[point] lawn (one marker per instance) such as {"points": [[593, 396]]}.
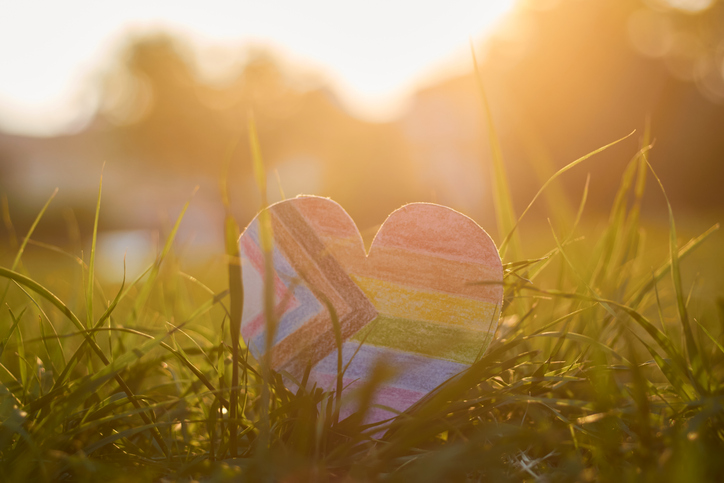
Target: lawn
{"points": [[607, 365]]}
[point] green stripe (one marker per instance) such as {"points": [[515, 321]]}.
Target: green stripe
{"points": [[439, 341]]}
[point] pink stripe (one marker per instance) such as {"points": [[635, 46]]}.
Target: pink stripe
{"points": [[394, 397], [257, 260], [254, 326], [254, 255]]}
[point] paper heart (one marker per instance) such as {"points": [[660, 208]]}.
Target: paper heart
{"points": [[409, 301]]}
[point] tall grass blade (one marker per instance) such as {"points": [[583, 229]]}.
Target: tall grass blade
{"points": [[504, 211], [92, 262], [279, 184], [8, 222], [21, 351], [23, 244], [42, 315], [13, 327], [236, 303], [50, 297], [512, 231], [691, 346], [105, 316], [581, 207], [153, 275], [266, 236], [711, 337], [639, 294]]}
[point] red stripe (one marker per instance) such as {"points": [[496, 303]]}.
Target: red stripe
{"points": [[438, 231]]}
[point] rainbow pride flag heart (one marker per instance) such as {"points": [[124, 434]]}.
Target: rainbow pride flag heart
{"points": [[410, 302]]}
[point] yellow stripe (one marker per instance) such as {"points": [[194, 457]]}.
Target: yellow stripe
{"points": [[398, 301], [425, 338]]}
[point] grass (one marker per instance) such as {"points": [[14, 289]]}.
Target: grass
{"points": [[600, 370]]}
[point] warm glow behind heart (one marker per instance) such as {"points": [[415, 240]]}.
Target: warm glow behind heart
{"points": [[373, 52]]}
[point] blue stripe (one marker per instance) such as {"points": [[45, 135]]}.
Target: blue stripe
{"points": [[308, 307], [412, 371]]}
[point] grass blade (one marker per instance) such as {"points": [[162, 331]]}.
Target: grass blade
{"points": [[19, 254], [236, 303], [691, 346], [16, 321], [511, 232], [504, 211], [148, 284], [92, 262], [50, 297], [266, 237]]}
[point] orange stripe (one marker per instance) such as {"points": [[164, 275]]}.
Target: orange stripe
{"points": [[427, 272]]}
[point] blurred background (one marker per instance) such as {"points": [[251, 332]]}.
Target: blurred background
{"points": [[373, 104]]}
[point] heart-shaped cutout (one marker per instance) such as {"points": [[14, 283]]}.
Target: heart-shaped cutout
{"points": [[411, 301]]}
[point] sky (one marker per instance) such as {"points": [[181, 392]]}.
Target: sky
{"points": [[373, 52]]}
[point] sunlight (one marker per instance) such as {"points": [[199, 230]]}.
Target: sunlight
{"points": [[373, 52]]}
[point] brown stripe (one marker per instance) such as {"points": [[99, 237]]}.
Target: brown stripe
{"points": [[300, 341], [325, 277], [332, 270], [325, 344], [307, 268]]}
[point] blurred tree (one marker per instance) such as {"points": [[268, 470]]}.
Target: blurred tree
{"points": [[688, 35], [167, 117], [564, 77]]}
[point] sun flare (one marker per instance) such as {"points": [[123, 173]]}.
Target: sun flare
{"points": [[372, 52]]}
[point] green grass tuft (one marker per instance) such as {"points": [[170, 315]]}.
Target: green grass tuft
{"points": [[604, 372]]}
